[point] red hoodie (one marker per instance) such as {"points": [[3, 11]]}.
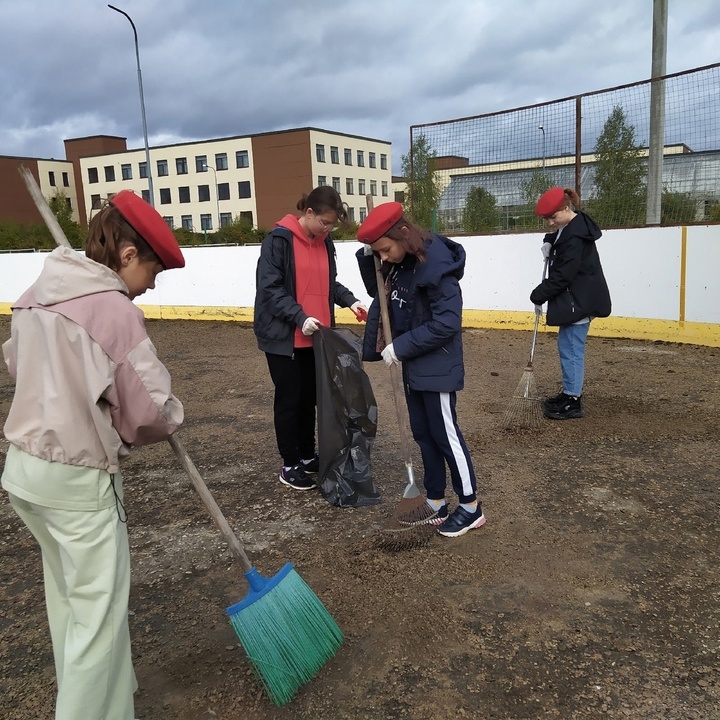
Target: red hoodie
{"points": [[312, 276]]}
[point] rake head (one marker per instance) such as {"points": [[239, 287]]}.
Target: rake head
{"points": [[525, 408]]}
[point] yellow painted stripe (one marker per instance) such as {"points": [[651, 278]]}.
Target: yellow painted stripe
{"points": [[683, 272], [618, 327]]}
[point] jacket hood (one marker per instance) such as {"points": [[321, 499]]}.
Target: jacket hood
{"points": [[585, 227], [442, 257], [293, 225], [67, 274]]}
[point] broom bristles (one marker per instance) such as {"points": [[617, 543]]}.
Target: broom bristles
{"points": [[525, 409], [285, 630]]}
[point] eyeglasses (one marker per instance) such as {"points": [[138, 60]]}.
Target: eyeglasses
{"points": [[324, 224]]}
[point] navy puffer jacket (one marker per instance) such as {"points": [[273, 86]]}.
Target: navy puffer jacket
{"points": [[427, 335]]}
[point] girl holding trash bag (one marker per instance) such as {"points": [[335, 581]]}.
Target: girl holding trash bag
{"points": [[88, 385], [296, 291], [422, 273], [574, 289]]}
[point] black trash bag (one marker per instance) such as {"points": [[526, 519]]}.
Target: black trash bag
{"points": [[347, 419]]}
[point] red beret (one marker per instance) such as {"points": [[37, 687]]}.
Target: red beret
{"points": [[379, 221], [149, 225], [550, 202]]}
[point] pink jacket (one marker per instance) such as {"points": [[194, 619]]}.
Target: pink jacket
{"points": [[88, 383]]}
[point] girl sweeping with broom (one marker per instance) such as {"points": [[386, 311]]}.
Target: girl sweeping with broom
{"points": [[422, 272], [88, 385]]}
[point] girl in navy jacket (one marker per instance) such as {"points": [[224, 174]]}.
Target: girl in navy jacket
{"points": [[422, 274]]}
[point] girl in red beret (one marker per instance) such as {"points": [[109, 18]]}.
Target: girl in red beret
{"points": [[88, 387], [574, 289], [296, 292], [422, 272]]}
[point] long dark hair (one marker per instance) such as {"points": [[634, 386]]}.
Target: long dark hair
{"points": [[322, 199], [108, 234]]}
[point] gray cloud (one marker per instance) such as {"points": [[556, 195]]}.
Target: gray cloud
{"points": [[222, 68]]}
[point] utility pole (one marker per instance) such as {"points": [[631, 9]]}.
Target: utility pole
{"points": [[657, 112]]}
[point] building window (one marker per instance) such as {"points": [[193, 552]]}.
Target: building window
{"points": [[399, 196], [203, 193], [94, 202], [66, 180], [384, 188], [371, 159], [184, 195], [68, 202], [244, 189], [361, 187], [225, 219], [169, 221], [383, 161], [373, 187], [125, 172], [334, 155], [146, 196], [206, 222], [51, 177], [320, 153], [109, 173], [165, 196], [349, 186], [162, 166], [242, 159], [360, 158], [186, 221], [247, 215], [348, 156], [92, 175], [363, 214], [221, 161], [351, 214], [201, 163], [223, 191], [142, 169], [322, 180], [336, 184], [181, 166]]}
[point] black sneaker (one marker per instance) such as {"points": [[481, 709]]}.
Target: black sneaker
{"points": [[461, 521], [296, 478], [569, 408], [552, 402], [313, 466]]}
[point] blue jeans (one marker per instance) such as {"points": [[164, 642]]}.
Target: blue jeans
{"points": [[571, 348]]}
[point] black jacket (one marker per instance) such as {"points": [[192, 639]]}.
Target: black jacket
{"points": [[429, 344], [575, 287], [277, 312]]}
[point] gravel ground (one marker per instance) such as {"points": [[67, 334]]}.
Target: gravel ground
{"points": [[592, 592]]}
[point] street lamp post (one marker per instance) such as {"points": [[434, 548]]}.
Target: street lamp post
{"points": [[142, 106], [217, 196], [542, 129]]}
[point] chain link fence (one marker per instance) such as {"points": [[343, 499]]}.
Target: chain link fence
{"points": [[485, 173]]}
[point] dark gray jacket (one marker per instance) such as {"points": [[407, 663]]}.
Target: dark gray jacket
{"points": [[277, 313]]}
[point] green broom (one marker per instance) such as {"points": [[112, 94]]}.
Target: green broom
{"points": [[286, 632]]}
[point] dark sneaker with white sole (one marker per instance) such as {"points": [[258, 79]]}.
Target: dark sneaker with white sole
{"points": [[568, 409], [311, 467], [296, 478], [553, 402], [461, 521]]}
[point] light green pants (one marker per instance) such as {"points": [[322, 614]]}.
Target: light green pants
{"points": [[86, 566]]}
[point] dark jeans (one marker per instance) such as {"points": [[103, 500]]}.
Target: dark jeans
{"points": [[294, 404]]}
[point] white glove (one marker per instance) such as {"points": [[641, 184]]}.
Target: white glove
{"points": [[545, 250], [360, 311], [389, 356], [538, 309], [310, 326]]}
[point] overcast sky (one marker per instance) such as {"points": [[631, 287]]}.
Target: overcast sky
{"points": [[217, 68]]}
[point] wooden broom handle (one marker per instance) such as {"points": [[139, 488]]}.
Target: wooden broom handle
{"points": [[205, 495]]}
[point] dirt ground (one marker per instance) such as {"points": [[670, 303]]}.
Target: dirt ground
{"points": [[592, 592]]}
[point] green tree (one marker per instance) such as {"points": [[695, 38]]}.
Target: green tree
{"points": [[532, 188], [620, 192], [61, 209], [678, 208], [424, 188], [481, 212]]}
